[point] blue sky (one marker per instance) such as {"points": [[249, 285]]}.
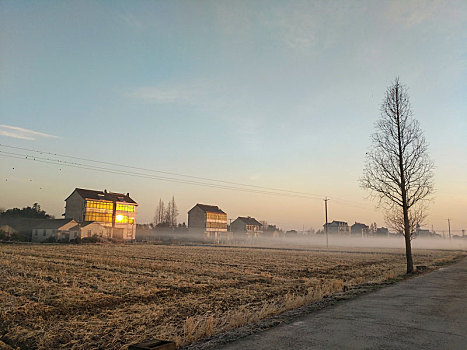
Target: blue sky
{"points": [[281, 94]]}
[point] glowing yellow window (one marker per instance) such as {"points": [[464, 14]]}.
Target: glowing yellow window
{"points": [[121, 219]]}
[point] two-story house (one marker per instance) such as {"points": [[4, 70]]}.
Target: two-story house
{"points": [[115, 211], [207, 219]]}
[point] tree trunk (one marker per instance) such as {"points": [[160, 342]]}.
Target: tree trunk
{"points": [[408, 243], [405, 209]]}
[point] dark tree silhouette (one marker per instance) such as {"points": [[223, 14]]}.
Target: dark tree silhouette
{"points": [[398, 170], [34, 212]]}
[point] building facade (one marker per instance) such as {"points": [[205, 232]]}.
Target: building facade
{"points": [[382, 231], [89, 229], [57, 229], [337, 227], [114, 211], [359, 229], [207, 218], [247, 225]]}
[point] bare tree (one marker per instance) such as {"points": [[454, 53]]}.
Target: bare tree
{"points": [[398, 170], [168, 214], [417, 215], [172, 213], [159, 215]]}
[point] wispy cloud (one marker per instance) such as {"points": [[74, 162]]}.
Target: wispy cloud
{"points": [[131, 21], [164, 95], [254, 177], [184, 93], [22, 133], [413, 13]]}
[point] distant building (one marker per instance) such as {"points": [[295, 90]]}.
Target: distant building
{"points": [[359, 229], [58, 229], [337, 227], [207, 218], [419, 232], [22, 226], [8, 229], [272, 231], [114, 211], [90, 229], [382, 231], [248, 225], [291, 233]]}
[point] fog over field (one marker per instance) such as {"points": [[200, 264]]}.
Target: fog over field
{"points": [[313, 241]]}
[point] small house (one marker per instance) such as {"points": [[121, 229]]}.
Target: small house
{"points": [[246, 225]]}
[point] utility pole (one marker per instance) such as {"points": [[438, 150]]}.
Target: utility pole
{"points": [[449, 228], [326, 214]]}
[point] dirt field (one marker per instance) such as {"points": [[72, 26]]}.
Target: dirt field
{"points": [[109, 296]]}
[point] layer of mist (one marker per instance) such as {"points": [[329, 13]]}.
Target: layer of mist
{"points": [[315, 241]]}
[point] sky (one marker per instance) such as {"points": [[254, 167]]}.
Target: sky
{"points": [[280, 94]]}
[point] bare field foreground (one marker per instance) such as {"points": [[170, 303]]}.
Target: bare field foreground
{"points": [[110, 296]]}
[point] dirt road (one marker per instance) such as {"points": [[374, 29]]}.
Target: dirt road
{"points": [[426, 312]]}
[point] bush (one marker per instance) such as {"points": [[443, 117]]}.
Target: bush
{"points": [[93, 239], [50, 239]]}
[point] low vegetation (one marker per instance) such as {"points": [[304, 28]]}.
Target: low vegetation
{"points": [[108, 296]]}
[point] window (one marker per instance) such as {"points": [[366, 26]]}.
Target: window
{"points": [[96, 216], [216, 216], [125, 207], [99, 205], [121, 219], [218, 225]]}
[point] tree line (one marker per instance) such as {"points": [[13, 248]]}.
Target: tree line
{"points": [[166, 214], [34, 212]]}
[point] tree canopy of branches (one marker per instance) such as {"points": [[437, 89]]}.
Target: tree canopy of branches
{"points": [[159, 215], [398, 170], [34, 212], [166, 215]]}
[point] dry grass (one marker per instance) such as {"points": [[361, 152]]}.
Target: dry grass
{"points": [[109, 296]]}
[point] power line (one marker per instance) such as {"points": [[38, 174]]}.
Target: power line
{"points": [[165, 172], [318, 196], [244, 187], [141, 175]]}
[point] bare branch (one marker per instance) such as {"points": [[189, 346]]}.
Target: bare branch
{"points": [[398, 171]]}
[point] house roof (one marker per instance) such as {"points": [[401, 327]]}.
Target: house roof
{"points": [[358, 224], [7, 228], [104, 195], [86, 223], [23, 224], [335, 222], [53, 224], [249, 220], [209, 208]]}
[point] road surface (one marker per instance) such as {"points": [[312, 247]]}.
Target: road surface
{"points": [[425, 312]]}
